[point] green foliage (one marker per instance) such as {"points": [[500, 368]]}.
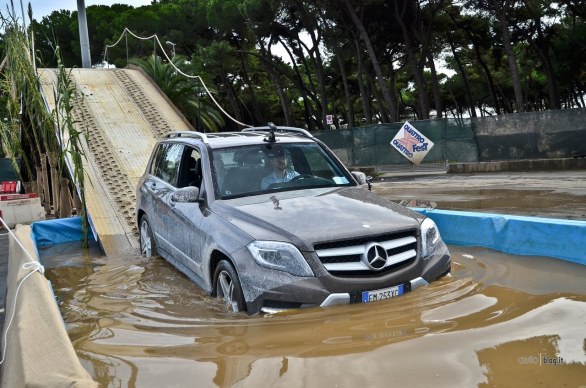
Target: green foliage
{"points": [[187, 94], [234, 45], [70, 138], [30, 131]]}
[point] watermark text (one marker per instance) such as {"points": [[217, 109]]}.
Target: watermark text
{"points": [[541, 359]]}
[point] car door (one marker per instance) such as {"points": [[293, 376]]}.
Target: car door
{"points": [[186, 235], [160, 185]]}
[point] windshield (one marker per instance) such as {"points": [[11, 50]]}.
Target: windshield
{"points": [[264, 168]]}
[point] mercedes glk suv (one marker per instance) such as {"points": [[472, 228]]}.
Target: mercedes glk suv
{"points": [[270, 219]]}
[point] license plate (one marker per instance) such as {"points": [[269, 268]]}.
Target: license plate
{"points": [[384, 293]]}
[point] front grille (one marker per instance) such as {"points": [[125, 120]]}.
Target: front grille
{"points": [[364, 240], [346, 258]]}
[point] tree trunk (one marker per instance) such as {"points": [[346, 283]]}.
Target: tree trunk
{"points": [[501, 9], [349, 104], [470, 102], [281, 93], [489, 79], [314, 94], [487, 73], [364, 95], [300, 86], [321, 83], [552, 86], [382, 115], [416, 66], [258, 117], [371, 53], [232, 99], [437, 99]]}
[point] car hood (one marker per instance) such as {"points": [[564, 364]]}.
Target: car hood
{"points": [[306, 217]]}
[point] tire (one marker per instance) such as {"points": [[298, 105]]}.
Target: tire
{"points": [[227, 286], [148, 246]]}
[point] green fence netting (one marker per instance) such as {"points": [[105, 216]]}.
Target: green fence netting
{"points": [[453, 139], [534, 135], [548, 134]]}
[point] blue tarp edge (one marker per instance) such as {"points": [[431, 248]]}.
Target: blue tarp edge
{"points": [[518, 235], [50, 232]]}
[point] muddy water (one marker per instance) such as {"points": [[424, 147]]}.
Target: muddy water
{"points": [[498, 320]]}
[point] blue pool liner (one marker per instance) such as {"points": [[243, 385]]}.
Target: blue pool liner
{"points": [[518, 235]]}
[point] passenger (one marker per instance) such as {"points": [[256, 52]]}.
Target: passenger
{"points": [[278, 162]]}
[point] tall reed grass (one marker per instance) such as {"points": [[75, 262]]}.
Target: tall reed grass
{"points": [[32, 130]]}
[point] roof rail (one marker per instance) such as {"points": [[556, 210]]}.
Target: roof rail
{"points": [[191, 134], [280, 129]]}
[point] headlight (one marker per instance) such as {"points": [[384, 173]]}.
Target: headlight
{"points": [[280, 256], [430, 236]]}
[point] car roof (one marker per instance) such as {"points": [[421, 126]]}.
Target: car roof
{"points": [[249, 136]]}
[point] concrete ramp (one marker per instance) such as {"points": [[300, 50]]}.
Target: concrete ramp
{"points": [[124, 114]]}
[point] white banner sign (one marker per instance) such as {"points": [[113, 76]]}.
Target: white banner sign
{"points": [[411, 143]]}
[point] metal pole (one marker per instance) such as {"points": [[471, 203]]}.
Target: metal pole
{"points": [[172, 48], [155, 59], [126, 38], [86, 61], [173, 54]]}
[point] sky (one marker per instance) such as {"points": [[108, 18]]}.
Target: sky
{"points": [[45, 7]]}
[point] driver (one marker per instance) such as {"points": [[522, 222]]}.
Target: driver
{"points": [[278, 162]]}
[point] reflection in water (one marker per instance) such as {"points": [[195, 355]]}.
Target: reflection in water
{"points": [[495, 321]]}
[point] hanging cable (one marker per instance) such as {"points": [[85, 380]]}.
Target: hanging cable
{"points": [[33, 266], [197, 77]]}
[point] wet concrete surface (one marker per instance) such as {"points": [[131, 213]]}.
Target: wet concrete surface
{"points": [[556, 194], [498, 320]]}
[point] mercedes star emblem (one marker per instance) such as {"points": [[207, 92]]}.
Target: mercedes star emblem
{"points": [[375, 256]]}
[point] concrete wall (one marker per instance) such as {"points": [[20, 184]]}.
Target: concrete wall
{"points": [[519, 165], [38, 350]]}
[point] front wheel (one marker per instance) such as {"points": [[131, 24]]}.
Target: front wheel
{"points": [[148, 246], [227, 286]]}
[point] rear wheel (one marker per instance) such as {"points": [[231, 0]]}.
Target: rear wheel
{"points": [[227, 286], [148, 247]]}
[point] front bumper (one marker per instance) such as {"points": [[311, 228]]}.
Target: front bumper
{"points": [[345, 297], [271, 291]]}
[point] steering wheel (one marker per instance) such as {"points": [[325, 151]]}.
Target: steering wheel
{"points": [[302, 176]]}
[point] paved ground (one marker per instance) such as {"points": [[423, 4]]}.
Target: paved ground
{"points": [[3, 273], [3, 270], [555, 194]]}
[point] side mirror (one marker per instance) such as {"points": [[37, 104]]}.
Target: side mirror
{"points": [[188, 194], [359, 176], [362, 178]]}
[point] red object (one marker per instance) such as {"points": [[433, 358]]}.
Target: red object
{"points": [[9, 187], [10, 197]]}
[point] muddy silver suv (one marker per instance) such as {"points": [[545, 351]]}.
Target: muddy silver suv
{"points": [[270, 219]]}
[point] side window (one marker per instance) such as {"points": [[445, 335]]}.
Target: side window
{"points": [[167, 162], [155, 162], [190, 170]]}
